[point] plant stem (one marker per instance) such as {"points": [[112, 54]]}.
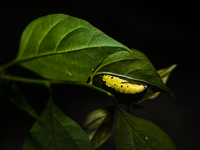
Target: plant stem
{"points": [[25, 80], [9, 64], [48, 82]]}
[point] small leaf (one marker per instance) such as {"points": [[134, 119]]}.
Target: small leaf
{"points": [[164, 74], [99, 125], [63, 47], [135, 133], [59, 132]]}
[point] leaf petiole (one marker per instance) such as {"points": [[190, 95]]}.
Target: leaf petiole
{"points": [[7, 65]]}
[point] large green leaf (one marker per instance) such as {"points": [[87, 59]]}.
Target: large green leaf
{"points": [[63, 47], [132, 133], [135, 67], [58, 132], [99, 125]]}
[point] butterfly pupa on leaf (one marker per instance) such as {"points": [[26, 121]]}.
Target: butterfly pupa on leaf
{"points": [[123, 86]]}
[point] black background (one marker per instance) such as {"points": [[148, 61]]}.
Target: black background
{"points": [[166, 31]]}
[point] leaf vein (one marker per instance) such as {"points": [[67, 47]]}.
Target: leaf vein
{"points": [[135, 130], [66, 131], [91, 38], [68, 33], [39, 44]]}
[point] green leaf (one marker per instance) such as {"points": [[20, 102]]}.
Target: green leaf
{"points": [[63, 47], [99, 125], [11, 95], [135, 67], [164, 74], [136, 133], [59, 132]]}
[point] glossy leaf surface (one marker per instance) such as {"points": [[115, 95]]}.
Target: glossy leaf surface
{"points": [[63, 47], [58, 132], [132, 133], [99, 125]]}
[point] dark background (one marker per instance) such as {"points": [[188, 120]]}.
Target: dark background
{"points": [[166, 31]]}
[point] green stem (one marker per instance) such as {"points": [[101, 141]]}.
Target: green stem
{"points": [[26, 80], [91, 79], [48, 82], [9, 64], [116, 103]]}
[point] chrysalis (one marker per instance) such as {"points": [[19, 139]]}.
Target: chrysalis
{"points": [[123, 86]]}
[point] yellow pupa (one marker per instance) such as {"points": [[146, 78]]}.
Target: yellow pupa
{"points": [[123, 86]]}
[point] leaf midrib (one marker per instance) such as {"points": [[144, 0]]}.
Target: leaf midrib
{"points": [[18, 60], [52, 116], [134, 129]]}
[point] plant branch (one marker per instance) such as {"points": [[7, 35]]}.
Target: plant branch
{"points": [[7, 65], [48, 82]]}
